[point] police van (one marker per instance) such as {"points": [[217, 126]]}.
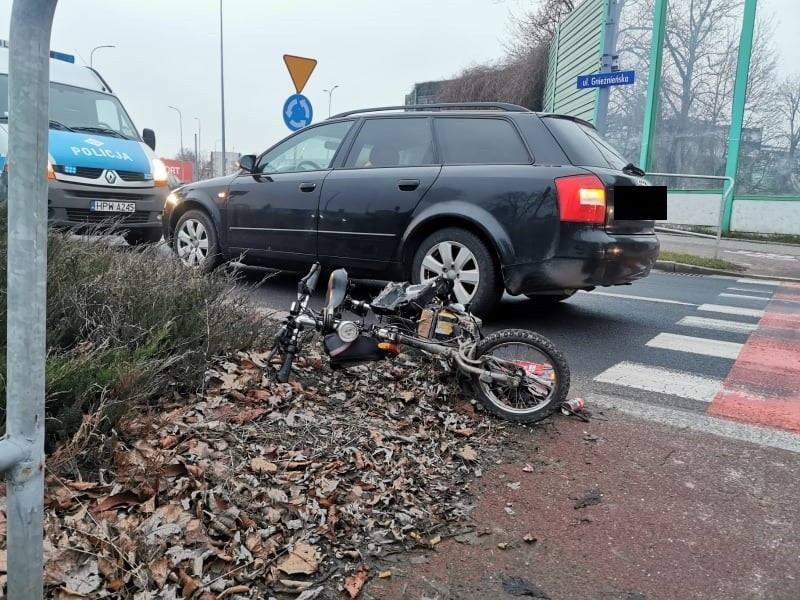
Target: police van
{"points": [[101, 171]]}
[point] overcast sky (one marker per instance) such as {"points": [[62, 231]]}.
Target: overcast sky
{"points": [[167, 53]]}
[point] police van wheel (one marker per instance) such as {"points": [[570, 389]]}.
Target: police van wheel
{"points": [[136, 237]]}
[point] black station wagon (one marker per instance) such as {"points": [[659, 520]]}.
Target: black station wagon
{"points": [[497, 196]]}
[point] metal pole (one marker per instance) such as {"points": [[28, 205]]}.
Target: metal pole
{"points": [[196, 161], [199, 146], [727, 186], [739, 99], [28, 99], [653, 84], [222, 87], [180, 126], [91, 54], [612, 10], [330, 94]]}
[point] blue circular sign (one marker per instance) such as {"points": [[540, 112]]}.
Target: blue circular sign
{"points": [[297, 112]]}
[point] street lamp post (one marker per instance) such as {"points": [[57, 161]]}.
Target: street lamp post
{"points": [[180, 126], [222, 86], [330, 94], [197, 147], [91, 54]]}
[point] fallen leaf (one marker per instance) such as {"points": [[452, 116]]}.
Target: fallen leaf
{"points": [[63, 594], [83, 578], [354, 583], [385, 574], [236, 589], [249, 415], [117, 500], [259, 465], [159, 569], [301, 559], [189, 586], [468, 453]]}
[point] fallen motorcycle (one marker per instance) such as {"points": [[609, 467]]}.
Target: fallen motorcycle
{"points": [[516, 374]]}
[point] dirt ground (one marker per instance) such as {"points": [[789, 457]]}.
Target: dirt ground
{"points": [[617, 509]]}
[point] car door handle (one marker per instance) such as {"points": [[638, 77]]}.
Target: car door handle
{"points": [[308, 186], [408, 185]]}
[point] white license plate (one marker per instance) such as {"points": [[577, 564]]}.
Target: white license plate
{"points": [[107, 206]]}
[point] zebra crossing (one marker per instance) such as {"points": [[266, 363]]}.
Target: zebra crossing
{"points": [[718, 330]]}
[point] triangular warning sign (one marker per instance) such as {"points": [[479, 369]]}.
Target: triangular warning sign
{"points": [[300, 69]]}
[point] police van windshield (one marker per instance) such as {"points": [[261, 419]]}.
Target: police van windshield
{"points": [[79, 109]]}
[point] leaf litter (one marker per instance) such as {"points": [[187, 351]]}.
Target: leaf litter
{"points": [[255, 489]]}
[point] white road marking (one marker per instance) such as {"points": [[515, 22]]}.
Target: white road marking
{"points": [[732, 310], [758, 281], [681, 419], [646, 298], [743, 296], [695, 345], [663, 381], [717, 324], [751, 290]]}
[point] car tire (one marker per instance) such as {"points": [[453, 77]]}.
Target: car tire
{"points": [[550, 299], [477, 281], [195, 241], [137, 237]]}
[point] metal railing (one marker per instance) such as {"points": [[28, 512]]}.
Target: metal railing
{"points": [[727, 191]]}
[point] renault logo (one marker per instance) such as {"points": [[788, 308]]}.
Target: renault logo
{"points": [[111, 177]]}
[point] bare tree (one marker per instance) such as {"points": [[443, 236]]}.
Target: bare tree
{"points": [[788, 106], [519, 78], [698, 75]]}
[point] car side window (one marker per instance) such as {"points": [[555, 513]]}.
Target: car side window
{"points": [[395, 142], [309, 150], [468, 141]]}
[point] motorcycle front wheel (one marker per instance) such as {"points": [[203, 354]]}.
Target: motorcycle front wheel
{"points": [[542, 367]]}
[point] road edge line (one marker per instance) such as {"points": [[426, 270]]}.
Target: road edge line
{"points": [[762, 436]]}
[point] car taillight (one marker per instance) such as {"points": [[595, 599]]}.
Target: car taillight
{"points": [[581, 199]]}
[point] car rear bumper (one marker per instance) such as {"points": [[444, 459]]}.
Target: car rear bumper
{"points": [[592, 259], [70, 205]]}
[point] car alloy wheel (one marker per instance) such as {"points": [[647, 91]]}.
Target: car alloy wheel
{"points": [[458, 263], [192, 243]]}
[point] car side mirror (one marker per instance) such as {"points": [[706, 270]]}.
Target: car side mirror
{"points": [[149, 137], [247, 163]]}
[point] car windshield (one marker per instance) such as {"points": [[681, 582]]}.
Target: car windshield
{"points": [[79, 109], [584, 145]]}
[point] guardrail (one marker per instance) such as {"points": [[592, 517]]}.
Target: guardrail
{"points": [[725, 195]]}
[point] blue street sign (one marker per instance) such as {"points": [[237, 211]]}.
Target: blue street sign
{"points": [[297, 112], [596, 80]]}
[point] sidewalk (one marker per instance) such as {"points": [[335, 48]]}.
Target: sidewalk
{"points": [[757, 258], [665, 514]]}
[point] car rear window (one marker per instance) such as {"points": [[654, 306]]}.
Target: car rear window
{"points": [[469, 141], [583, 145]]}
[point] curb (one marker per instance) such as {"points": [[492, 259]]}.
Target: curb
{"points": [[675, 267]]}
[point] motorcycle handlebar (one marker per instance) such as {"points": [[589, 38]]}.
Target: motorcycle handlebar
{"points": [[308, 284]]}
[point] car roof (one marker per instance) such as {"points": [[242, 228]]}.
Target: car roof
{"points": [[482, 107]]}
